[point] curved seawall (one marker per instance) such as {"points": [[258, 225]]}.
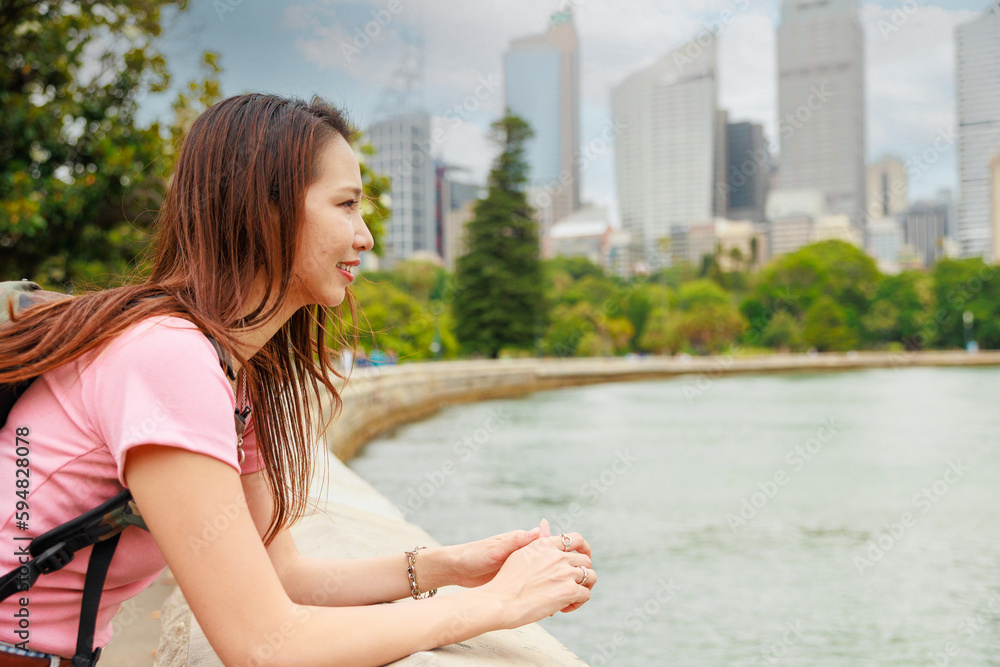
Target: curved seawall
{"points": [[379, 399]]}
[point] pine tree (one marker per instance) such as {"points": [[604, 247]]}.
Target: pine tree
{"points": [[499, 294]]}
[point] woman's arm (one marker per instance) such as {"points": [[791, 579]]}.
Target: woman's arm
{"points": [[197, 512], [345, 581], [362, 581]]}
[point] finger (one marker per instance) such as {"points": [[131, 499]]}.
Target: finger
{"points": [[578, 544], [577, 559], [583, 593], [544, 528]]}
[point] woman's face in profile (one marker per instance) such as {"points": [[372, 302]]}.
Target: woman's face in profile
{"points": [[333, 230]]}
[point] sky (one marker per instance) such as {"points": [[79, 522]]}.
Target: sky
{"points": [[351, 52]]}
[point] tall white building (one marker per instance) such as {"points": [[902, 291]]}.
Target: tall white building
{"points": [[821, 102], [667, 155], [542, 86], [978, 63], [403, 152]]}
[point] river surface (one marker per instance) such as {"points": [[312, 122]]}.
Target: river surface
{"points": [[848, 518]]}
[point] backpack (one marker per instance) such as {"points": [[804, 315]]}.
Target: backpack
{"points": [[101, 526]]}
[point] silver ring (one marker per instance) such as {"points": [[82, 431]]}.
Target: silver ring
{"points": [[585, 574], [566, 540]]}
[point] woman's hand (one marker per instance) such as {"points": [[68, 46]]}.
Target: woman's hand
{"points": [[476, 563], [544, 577]]}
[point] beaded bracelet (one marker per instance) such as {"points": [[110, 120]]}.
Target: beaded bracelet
{"points": [[411, 556]]}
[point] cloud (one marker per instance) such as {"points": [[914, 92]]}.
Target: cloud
{"points": [[465, 146], [910, 84]]}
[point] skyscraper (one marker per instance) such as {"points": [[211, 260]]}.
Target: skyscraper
{"points": [[749, 171], [978, 62], [886, 188], [667, 156], [821, 102], [403, 152], [542, 86]]}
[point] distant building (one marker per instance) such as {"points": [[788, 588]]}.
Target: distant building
{"points": [[588, 233], [928, 231], [886, 189], [403, 152], [837, 228], [748, 171], [668, 159], [791, 215], [542, 86], [885, 243], [732, 243], [454, 203], [995, 178], [821, 102], [978, 96], [790, 233]]}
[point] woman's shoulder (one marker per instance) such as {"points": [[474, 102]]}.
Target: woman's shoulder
{"points": [[158, 337]]}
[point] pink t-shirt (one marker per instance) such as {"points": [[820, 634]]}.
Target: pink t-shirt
{"points": [[160, 382]]}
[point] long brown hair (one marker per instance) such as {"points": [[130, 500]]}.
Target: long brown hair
{"points": [[233, 212]]}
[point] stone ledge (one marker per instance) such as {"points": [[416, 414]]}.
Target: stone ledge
{"points": [[353, 520]]}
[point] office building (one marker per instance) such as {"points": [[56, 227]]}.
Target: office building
{"points": [[886, 189], [667, 156], [748, 171], [542, 86], [403, 152], [995, 197], [821, 102], [929, 230], [977, 46]]}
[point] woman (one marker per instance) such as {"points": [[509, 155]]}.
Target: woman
{"points": [[257, 239]]}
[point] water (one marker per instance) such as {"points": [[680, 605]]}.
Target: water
{"points": [[869, 535]]}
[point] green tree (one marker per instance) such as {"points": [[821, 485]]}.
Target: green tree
{"points": [[827, 328], [795, 282], [79, 176], [965, 285], [393, 321], [782, 332], [499, 299]]}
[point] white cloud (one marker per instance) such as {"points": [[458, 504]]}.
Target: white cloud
{"points": [[465, 146]]}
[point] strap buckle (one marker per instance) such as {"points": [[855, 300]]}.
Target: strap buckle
{"points": [[54, 558]]}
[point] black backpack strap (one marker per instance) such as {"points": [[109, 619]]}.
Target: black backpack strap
{"points": [[53, 549], [93, 586]]}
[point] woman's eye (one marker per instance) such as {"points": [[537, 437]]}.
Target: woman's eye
{"points": [[351, 204]]}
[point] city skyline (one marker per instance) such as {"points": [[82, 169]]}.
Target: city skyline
{"points": [[316, 49]]}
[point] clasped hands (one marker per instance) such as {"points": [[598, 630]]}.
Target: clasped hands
{"points": [[548, 572]]}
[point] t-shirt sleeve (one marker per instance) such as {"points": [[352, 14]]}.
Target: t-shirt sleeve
{"points": [[161, 383]]}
